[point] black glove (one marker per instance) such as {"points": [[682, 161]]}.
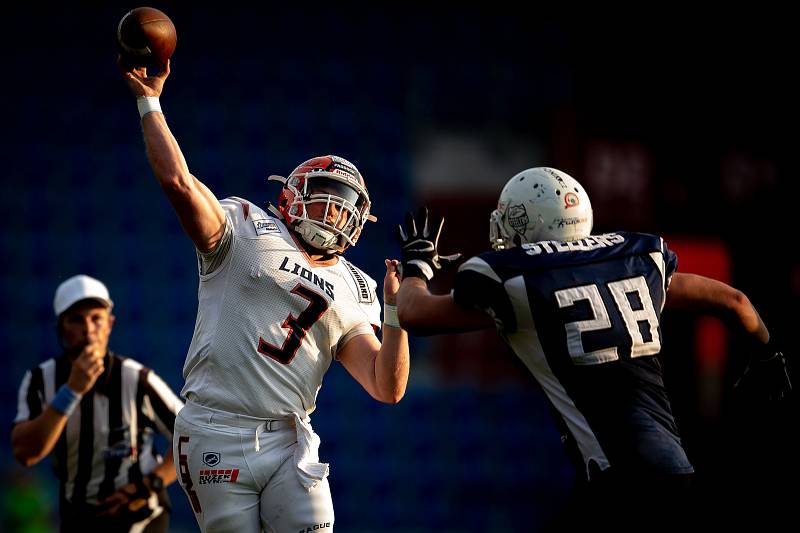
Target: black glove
{"points": [[419, 256], [765, 377]]}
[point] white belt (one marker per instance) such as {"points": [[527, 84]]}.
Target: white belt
{"points": [[306, 455], [270, 425]]}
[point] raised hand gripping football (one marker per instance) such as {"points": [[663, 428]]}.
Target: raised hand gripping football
{"points": [[419, 242], [766, 376]]}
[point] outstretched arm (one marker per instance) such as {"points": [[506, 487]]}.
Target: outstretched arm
{"points": [[694, 292], [199, 212], [423, 313], [766, 376]]}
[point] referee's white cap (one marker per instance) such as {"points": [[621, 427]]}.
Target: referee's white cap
{"points": [[77, 288]]}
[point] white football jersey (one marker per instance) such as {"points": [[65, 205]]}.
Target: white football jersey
{"points": [[269, 322]]}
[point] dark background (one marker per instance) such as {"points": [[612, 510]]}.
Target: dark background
{"points": [[677, 122]]}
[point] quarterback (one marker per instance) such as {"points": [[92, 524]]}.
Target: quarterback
{"points": [[277, 304]]}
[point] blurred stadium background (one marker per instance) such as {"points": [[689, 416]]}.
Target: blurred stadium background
{"points": [[680, 125]]}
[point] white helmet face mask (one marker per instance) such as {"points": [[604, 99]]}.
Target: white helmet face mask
{"points": [[336, 220], [326, 203], [540, 204]]}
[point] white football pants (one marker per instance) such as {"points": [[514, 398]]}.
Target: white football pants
{"points": [[240, 475]]}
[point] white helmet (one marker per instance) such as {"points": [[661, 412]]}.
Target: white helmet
{"points": [[540, 204], [331, 181]]}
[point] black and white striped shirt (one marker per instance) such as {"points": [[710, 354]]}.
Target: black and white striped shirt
{"points": [[108, 441]]}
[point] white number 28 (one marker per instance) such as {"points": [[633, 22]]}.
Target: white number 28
{"points": [[631, 317]]}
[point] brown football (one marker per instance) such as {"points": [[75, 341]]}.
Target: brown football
{"points": [[146, 37]]}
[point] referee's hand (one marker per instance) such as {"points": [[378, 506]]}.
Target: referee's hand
{"points": [[86, 368], [125, 507]]}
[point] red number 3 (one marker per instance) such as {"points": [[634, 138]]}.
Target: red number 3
{"points": [[297, 326]]}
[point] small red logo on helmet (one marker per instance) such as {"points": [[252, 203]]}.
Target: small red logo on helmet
{"points": [[571, 200]]}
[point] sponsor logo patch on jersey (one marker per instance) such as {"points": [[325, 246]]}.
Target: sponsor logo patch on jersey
{"points": [[119, 450], [265, 226], [213, 477], [365, 294], [122, 448]]}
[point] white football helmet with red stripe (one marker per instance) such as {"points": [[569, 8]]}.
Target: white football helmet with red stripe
{"points": [[336, 185], [540, 204]]}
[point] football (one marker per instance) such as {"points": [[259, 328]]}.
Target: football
{"points": [[146, 37]]}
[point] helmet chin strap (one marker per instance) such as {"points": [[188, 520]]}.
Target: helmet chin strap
{"points": [[317, 237]]}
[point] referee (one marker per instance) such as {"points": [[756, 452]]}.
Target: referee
{"points": [[97, 413]]}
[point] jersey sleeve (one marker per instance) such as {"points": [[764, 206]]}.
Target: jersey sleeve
{"points": [[209, 262], [242, 220], [360, 329], [29, 403], [364, 291], [670, 262], [368, 304], [236, 211], [162, 404], [478, 286], [373, 308]]}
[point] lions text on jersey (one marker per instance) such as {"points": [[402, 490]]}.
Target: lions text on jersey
{"points": [[270, 321]]}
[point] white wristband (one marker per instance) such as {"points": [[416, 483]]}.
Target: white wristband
{"points": [[148, 104], [424, 267], [390, 315]]}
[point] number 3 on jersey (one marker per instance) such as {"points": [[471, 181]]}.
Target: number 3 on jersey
{"points": [[297, 326], [631, 317]]}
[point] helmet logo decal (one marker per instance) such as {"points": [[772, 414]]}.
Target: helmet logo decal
{"points": [[571, 200], [562, 222], [518, 218], [555, 175]]}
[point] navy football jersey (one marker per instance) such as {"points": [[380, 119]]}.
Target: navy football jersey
{"points": [[584, 317]]}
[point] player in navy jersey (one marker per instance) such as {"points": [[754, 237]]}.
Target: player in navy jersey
{"points": [[583, 314]]}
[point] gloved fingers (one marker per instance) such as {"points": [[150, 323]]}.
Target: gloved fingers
{"points": [[422, 216], [438, 225], [411, 225], [401, 233]]}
